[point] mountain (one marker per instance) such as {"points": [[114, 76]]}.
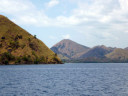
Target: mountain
{"points": [[126, 48], [17, 46], [98, 51], [118, 55], [68, 49]]}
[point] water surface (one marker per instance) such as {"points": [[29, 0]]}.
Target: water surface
{"points": [[78, 79]]}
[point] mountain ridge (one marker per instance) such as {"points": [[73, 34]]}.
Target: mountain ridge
{"points": [[99, 53], [69, 48], [126, 48]]}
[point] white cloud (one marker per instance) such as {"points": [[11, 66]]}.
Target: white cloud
{"points": [[24, 12], [123, 4], [52, 3], [28, 20], [67, 21], [97, 12], [103, 19], [126, 32], [67, 36], [15, 6]]}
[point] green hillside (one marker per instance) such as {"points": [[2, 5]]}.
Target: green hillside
{"points": [[118, 55], [17, 46]]}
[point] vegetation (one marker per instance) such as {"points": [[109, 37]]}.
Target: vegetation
{"points": [[17, 46], [35, 36], [0, 45], [2, 38], [6, 57], [14, 44], [119, 55], [70, 51], [18, 60]]}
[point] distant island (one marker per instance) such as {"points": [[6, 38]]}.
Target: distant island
{"points": [[70, 51], [17, 46]]}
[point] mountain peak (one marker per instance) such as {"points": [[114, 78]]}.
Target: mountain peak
{"points": [[100, 46], [98, 51], [66, 40], [71, 51], [69, 48]]}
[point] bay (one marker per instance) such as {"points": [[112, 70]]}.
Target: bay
{"points": [[71, 79]]}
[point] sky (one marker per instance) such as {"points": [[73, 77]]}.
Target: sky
{"points": [[88, 22]]}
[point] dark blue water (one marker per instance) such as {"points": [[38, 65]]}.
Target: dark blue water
{"points": [[64, 80]]}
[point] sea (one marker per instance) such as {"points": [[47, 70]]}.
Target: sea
{"points": [[70, 79]]}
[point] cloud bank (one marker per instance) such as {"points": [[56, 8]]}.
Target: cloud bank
{"points": [[98, 19], [87, 13]]}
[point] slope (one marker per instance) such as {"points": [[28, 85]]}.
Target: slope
{"points": [[126, 48], [17, 46], [98, 51], [69, 49], [119, 55]]}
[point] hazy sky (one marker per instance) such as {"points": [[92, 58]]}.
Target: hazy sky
{"points": [[88, 22]]}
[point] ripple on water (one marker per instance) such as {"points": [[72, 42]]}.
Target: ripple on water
{"points": [[64, 80]]}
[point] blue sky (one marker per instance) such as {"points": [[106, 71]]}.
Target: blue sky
{"points": [[88, 22]]}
